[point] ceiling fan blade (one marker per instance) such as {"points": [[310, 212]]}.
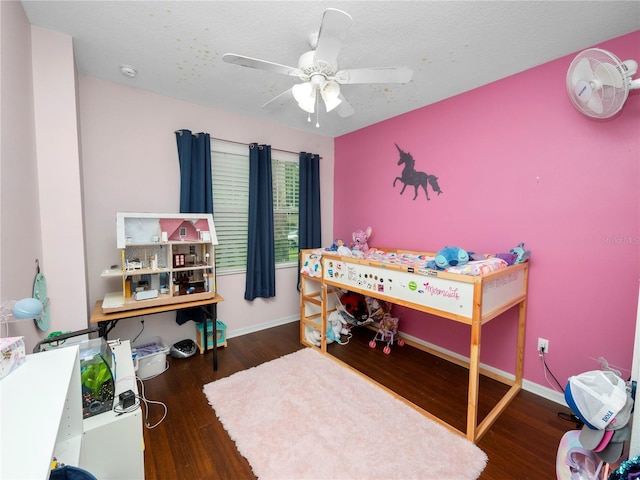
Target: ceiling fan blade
{"points": [[375, 75], [344, 109], [333, 32], [261, 64], [279, 101]]}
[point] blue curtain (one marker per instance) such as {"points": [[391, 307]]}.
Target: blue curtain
{"points": [[309, 235], [194, 155], [309, 220], [261, 262], [196, 190]]}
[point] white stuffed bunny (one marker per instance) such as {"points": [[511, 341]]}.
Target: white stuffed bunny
{"points": [[313, 336], [336, 326]]}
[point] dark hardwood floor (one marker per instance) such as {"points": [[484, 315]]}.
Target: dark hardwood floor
{"points": [[191, 444]]}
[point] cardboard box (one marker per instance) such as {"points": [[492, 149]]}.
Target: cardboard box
{"points": [[13, 354]]}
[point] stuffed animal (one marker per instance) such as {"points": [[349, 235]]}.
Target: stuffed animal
{"points": [[313, 336], [336, 327], [510, 258], [335, 246], [377, 309], [355, 305], [360, 239], [522, 255], [449, 257]]}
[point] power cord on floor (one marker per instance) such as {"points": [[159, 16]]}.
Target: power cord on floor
{"points": [[568, 417], [147, 404]]}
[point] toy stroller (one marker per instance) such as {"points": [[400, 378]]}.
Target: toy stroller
{"points": [[387, 332]]}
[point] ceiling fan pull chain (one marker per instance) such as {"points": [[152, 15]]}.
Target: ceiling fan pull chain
{"points": [[317, 111]]}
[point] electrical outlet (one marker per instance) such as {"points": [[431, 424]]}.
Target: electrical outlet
{"points": [[543, 345]]}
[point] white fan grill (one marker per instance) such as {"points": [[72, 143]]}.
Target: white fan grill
{"points": [[596, 84]]}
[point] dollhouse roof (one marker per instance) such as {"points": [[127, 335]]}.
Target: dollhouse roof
{"points": [[173, 225]]}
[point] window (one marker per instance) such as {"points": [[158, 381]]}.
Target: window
{"points": [[230, 173]]}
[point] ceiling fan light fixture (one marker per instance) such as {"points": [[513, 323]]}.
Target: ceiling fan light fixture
{"points": [[331, 95], [308, 104], [304, 93]]}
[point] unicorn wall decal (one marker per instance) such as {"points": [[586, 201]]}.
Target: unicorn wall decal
{"points": [[411, 177]]}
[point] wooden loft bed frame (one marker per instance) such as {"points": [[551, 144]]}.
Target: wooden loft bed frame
{"points": [[473, 300]]}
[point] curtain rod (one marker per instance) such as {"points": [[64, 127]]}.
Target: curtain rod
{"points": [[242, 143]]}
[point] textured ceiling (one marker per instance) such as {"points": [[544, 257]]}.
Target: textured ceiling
{"points": [[452, 46]]}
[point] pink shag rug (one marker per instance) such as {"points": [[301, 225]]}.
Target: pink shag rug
{"points": [[304, 416]]}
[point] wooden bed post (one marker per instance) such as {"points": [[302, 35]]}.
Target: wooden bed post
{"points": [[522, 315], [323, 318], [474, 364]]}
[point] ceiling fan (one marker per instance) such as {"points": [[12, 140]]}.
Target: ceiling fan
{"points": [[318, 70]]}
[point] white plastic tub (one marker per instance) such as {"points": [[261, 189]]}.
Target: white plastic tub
{"points": [[151, 357]]}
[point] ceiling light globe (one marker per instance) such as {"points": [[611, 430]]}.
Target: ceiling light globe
{"points": [[331, 95], [331, 103], [302, 91], [308, 104]]}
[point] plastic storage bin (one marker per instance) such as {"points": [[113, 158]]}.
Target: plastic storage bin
{"points": [[222, 335], [151, 357]]}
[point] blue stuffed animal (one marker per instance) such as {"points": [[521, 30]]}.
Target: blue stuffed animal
{"points": [[522, 255], [449, 257]]}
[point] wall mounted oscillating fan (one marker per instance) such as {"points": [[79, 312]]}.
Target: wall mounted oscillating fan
{"points": [[598, 83]]}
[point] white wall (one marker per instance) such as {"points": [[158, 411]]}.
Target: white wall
{"points": [[20, 239], [41, 216], [130, 163], [59, 186]]}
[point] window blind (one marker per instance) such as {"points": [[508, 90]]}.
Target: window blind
{"points": [[230, 176]]}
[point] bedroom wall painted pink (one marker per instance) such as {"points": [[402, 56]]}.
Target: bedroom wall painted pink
{"points": [[516, 162]]}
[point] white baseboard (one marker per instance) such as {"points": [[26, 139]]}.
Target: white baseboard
{"points": [[262, 326], [541, 391]]}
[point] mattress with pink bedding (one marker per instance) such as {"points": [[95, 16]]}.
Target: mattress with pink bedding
{"points": [[417, 261]]}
